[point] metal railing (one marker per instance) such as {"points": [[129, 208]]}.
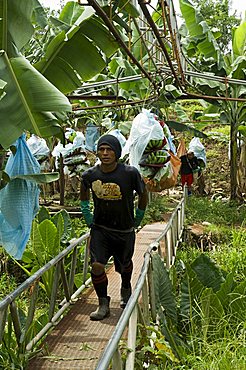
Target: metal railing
{"points": [[141, 305], [9, 313]]}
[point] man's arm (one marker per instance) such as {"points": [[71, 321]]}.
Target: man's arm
{"points": [[85, 204], [142, 204], [143, 200]]}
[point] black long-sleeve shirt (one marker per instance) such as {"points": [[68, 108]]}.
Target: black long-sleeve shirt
{"points": [[188, 165]]}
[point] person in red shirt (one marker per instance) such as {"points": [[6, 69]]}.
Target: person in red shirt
{"points": [[189, 164]]}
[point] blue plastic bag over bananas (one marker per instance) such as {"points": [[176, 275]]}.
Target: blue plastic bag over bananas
{"points": [[19, 200]]}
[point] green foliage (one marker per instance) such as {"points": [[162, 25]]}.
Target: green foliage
{"points": [[211, 309], [157, 354], [217, 16], [217, 212], [231, 255], [7, 284], [47, 236], [221, 133], [155, 210]]}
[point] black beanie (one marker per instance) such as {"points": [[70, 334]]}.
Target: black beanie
{"points": [[113, 142]]}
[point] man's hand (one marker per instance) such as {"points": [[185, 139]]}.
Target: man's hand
{"points": [[85, 209], [138, 217]]}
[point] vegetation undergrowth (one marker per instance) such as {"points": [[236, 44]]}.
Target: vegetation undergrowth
{"points": [[201, 300], [200, 209], [49, 236]]}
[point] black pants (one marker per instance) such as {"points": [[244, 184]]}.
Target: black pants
{"points": [[106, 243]]}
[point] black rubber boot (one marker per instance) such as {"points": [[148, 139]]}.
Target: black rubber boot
{"points": [[125, 295], [103, 309]]}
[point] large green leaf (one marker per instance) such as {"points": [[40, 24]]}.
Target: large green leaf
{"points": [[163, 288], [71, 12], [39, 178], [15, 24], [191, 290], [39, 14], [179, 126], [212, 313], [28, 101], [37, 244], [225, 289], [67, 55], [200, 33], [208, 272], [43, 214], [66, 235], [48, 233], [74, 55], [95, 31], [90, 26], [238, 68], [192, 18], [239, 40], [238, 302], [209, 87]]}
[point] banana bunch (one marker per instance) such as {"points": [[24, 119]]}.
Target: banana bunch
{"points": [[166, 130], [157, 157], [154, 144]]}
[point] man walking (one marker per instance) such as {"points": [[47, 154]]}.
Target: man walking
{"points": [[189, 165], [113, 186]]}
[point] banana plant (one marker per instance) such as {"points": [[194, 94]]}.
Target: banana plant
{"points": [[30, 102], [47, 237], [200, 43], [79, 50]]}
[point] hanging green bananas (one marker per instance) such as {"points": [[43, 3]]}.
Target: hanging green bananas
{"points": [[154, 144], [157, 157]]}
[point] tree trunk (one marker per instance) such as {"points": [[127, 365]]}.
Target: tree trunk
{"points": [[241, 175], [233, 161], [62, 182]]}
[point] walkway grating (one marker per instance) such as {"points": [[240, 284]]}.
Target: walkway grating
{"points": [[77, 342]]}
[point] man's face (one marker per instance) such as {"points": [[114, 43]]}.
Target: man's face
{"points": [[106, 154], [190, 155]]}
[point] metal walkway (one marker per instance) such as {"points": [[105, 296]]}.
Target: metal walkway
{"points": [[77, 342]]}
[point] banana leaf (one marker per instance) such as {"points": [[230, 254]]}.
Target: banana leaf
{"points": [[15, 27], [200, 33], [178, 126], [74, 56], [39, 178], [90, 26], [239, 40], [28, 101], [242, 130]]}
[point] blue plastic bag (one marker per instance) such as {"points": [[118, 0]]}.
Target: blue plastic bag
{"points": [[92, 134], [19, 200]]}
